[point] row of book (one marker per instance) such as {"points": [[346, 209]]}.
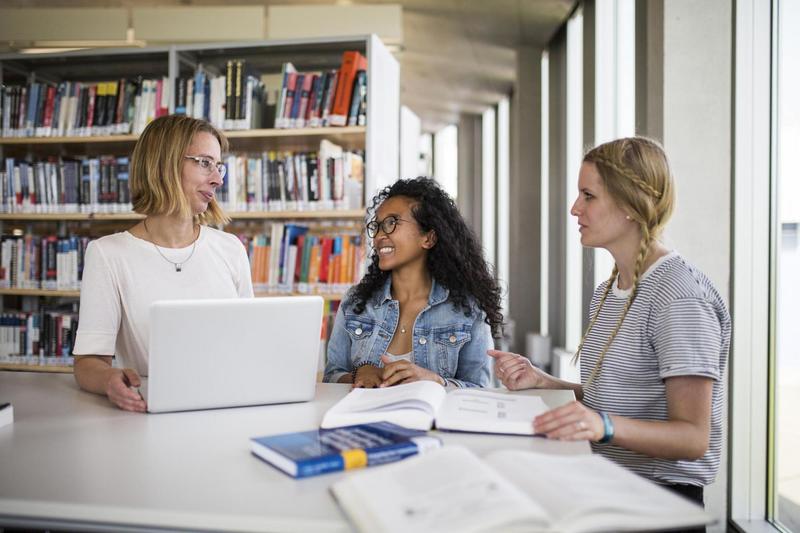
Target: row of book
{"points": [[331, 178], [236, 100], [42, 261], [295, 258], [72, 108], [27, 336], [329, 98], [59, 185], [290, 258]]}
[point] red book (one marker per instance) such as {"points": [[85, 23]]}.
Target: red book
{"points": [[352, 62], [299, 263], [48, 106], [90, 107], [291, 86], [304, 98], [327, 245]]}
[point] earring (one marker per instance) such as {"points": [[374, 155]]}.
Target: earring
{"points": [[627, 217]]}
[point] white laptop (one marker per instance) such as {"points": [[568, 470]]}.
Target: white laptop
{"points": [[207, 354]]}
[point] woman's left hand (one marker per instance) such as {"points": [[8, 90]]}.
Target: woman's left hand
{"points": [[573, 421], [403, 371]]}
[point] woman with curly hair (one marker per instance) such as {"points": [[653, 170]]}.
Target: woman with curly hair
{"points": [[428, 305]]}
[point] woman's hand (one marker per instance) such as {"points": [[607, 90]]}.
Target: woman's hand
{"points": [[404, 371], [119, 391], [367, 377], [517, 372], [573, 421]]}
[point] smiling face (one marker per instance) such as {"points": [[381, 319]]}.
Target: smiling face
{"points": [[602, 223], [406, 244], [199, 184]]}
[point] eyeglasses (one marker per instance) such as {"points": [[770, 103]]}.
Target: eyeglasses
{"points": [[387, 225], [207, 165]]}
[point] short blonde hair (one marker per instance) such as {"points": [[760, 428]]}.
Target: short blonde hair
{"points": [[636, 175], [155, 168]]}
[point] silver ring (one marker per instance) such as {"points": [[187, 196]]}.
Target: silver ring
{"points": [[581, 425]]}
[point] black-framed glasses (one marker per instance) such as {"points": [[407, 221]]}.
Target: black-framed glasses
{"points": [[387, 225], [207, 165]]}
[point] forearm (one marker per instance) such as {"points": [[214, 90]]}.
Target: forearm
{"points": [[92, 372], [551, 382], [669, 439]]}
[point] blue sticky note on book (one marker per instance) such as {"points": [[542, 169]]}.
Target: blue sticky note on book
{"points": [[310, 453]]}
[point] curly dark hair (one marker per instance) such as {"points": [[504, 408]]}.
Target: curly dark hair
{"points": [[456, 261]]}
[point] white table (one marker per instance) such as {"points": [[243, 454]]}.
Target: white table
{"points": [[72, 460]]}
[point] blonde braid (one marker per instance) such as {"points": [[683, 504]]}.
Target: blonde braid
{"points": [[624, 171], [644, 247], [577, 355]]}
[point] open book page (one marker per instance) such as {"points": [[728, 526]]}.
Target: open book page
{"points": [[412, 406], [489, 412], [585, 493], [449, 489]]}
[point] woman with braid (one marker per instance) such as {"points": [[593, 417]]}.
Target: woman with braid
{"points": [[654, 354]]}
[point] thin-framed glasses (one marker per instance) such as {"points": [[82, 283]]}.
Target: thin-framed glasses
{"points": [[207, 164], [387, 225]]}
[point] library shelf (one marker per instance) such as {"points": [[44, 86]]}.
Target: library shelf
{"points": [[76, 293], [329, 214], [65, 369], [345, 134], [52, 293]]}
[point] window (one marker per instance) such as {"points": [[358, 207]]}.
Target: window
{"points": [[445, 159], [615, 88], [785, 375], [574, 153]]}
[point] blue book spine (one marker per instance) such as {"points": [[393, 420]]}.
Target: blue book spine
{"points": [[311, 453], [374, 456]]}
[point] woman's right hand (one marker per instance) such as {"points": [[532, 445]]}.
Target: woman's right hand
{"points": [[119, 391], [368, 377], [517, 372]]}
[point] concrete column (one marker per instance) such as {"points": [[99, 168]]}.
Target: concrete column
{"points": [[469, 170], [525, 196]]}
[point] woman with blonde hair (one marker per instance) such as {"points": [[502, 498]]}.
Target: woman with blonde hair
{"points": [[175, 171], [654, 353]]}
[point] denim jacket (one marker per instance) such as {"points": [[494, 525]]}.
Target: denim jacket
{"points": [[444, 339]]}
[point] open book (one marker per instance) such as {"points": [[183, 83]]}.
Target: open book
{"points": [[451, 489], [416, 406]]}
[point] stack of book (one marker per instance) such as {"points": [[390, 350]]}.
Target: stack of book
{"points": [[43, 337], [292, 259], [330, 178], [59, 185], [42, 261], [72, 108], [235, 101], [320, 99]]}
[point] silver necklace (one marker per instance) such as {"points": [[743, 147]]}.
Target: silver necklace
{"points": [[178, 266]]}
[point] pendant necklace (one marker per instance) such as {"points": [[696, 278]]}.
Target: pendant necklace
{"points": [[402, 328], [179, 265]]}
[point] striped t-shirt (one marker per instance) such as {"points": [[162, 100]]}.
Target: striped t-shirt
{"points": [[678, 325]]}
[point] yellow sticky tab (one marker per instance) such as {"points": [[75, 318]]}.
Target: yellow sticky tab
{"points": [[354, 459]]}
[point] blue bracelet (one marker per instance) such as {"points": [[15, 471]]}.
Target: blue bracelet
{"points": [[608, 428]]}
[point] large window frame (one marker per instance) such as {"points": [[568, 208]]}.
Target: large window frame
{"points": [[752, 276]]}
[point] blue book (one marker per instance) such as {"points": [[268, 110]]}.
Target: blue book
{"points": [[310, 453]]}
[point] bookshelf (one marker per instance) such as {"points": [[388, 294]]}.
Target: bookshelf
{"points": [[378, 139]]}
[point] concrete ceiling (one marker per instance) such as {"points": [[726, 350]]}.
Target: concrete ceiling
{"points": [[458, 56]]}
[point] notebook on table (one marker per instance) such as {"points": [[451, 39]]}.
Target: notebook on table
{"points": [[206, 354]]}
